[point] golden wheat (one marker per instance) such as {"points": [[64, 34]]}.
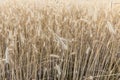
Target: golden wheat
{"points": [[59, 40]]}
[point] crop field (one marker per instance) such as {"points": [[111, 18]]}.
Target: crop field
{"points": [[59, 40]]}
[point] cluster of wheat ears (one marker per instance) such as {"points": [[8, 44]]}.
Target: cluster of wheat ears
{"points": [[59, 40]]}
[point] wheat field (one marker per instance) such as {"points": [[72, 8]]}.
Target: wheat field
{"points": [[59, 40]]}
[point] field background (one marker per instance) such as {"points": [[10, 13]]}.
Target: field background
{"points": [[59, 40]]}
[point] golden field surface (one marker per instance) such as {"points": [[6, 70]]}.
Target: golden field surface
{"points": [[59, 40]]}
